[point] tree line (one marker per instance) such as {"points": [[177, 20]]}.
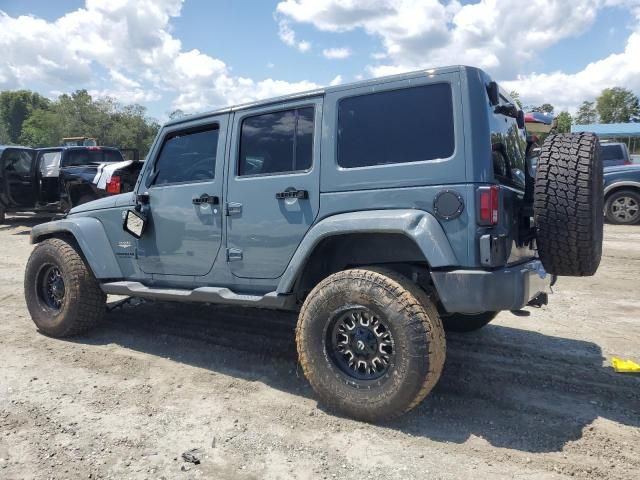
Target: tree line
{"points": [[27, 118], [613, 105]]}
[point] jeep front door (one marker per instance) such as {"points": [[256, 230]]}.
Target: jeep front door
{"points": [[180, 194], [273, 185]]}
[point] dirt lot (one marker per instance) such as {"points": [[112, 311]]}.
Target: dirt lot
{"points": [[524, 398]]}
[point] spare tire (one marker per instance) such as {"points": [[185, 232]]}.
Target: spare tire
{"points": [[568, 204]]}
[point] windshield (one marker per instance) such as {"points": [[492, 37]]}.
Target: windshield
{"points": [[611, 152], [86, 157]]}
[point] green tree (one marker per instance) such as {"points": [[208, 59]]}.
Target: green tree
{"points": [[564, 122], [16, 107], [586, 114], [4, 133], [41, 129], [617, 105], [516, 98], [29, 118], [177, 113], [544, 108]]}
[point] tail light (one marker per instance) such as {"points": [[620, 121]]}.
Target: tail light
{"points": [[627, 161], [488, 205], [113, 185]]}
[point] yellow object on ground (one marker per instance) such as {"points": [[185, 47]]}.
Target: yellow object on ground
{"points": [[625, 366]]}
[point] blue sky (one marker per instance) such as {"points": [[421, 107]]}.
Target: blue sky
{"points": [[199, 54]]}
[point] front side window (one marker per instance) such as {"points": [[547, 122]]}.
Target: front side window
{"points": [[187, 157], [50, 164], [276, 142], [396, 126], [18, 161]]}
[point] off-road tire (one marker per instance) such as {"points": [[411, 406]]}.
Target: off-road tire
{"points": [[419, 343], [463, 323], [609, 204], [84, 303], [568, 204]]}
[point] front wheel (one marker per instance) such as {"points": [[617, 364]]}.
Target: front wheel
{"points": [[63, 296], [623, 207], [371, 343]]}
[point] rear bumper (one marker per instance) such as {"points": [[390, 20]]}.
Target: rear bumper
{"points": [[473, 291]]}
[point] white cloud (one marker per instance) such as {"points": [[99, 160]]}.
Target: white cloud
{"points": [[337, 80], [304, 46], [131, 41], [566, 91], [288, 36], [337, 53], [502, 36]]}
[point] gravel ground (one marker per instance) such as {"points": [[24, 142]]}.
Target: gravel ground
{"points": [[531, 397]]}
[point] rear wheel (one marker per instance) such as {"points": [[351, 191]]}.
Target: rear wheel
{"points": [[370, 342], [63, 296], [462, 322], [623, 207], [568, 204]]}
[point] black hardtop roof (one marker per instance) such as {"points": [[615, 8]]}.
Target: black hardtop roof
{"points": [[320, 91], [19, 147]]}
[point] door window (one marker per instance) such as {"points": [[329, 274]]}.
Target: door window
{"points": [[396, 126], [276, 142], [18, 162], [187, 157]]}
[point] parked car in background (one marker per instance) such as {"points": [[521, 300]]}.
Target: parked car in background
{"points": [[58, 178], [622, 194], [613, 154]]}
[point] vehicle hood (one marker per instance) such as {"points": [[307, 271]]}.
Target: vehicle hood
{"points": [[99, 204], [621, 168]]}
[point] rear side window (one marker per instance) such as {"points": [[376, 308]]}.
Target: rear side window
{"points": [[611, 152], [187, 157], [397, 126], [276, 142]]}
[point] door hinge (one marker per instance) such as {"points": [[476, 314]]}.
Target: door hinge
{"points": [[232, 208], [234, 254]]}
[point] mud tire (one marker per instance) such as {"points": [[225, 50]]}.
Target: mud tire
{"points": [[419, 343], [568, 204], [83, 305]]}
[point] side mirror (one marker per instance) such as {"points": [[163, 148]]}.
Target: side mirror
{"points": [[493, 93], [134, 223], [520, 119]]}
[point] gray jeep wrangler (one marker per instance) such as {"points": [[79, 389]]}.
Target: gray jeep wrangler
{"points": [[385, 212]]}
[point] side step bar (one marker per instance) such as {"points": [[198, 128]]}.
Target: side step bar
{"points": [[218, 295]]}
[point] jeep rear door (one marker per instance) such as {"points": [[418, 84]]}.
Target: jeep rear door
{"points": [[18, 175], [183, 187], [273, 185]]}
